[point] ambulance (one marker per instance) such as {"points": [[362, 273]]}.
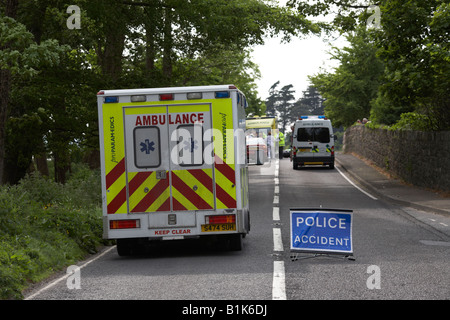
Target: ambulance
{"points": [[313, 142], [173, 163]]}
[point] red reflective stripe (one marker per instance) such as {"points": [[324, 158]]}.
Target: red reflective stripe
{"points": [[165, 206], [118, 201], [225, 169], [190, 194], [115, 173], [177, 206], [225, 198], [151, 196], [203, 177]]}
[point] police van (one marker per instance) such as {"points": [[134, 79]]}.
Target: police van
{"points": [[173, 163], [313, 142]]}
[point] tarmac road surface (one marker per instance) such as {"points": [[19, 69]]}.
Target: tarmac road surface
{"points": [[401, 249]]}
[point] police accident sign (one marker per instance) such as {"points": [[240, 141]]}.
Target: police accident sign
{"points": [[321, 230]]}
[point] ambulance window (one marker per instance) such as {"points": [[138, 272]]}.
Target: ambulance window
{"points": [[305, 134], [190, 145], [322, 135], [147, 152]]}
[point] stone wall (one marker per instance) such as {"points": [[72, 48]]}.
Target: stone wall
{"points": [[419, 158]]}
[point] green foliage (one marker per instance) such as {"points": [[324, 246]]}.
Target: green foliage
{"points": [[350, 89], [45, 226], [414, 121]]}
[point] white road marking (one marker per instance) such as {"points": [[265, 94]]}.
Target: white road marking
{"points": [[276, 214], [278, 286], [51, 284], [277, 241], [351, 182]]}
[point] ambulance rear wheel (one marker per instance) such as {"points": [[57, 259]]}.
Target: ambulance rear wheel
{"points": [[235, 242], [124, 247]]}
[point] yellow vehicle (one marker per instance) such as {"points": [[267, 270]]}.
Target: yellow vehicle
{"points": [[266, 128], [173, 165]]}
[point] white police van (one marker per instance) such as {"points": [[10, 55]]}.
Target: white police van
{"points": [[313, 142]]}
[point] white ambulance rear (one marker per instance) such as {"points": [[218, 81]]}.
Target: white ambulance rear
{"points": [[313, 142], [173, 165]]}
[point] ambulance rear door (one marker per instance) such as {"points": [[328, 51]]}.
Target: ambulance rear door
{"points": [[168, 176]]}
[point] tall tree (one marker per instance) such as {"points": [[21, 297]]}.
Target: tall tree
{"points": [[280, 103], [350, 89]]}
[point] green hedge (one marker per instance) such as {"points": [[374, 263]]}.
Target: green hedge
{"points": [[45, 226]]}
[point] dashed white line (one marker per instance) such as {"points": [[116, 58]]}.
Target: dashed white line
{"points": [[276, 214], [277, 241], [278, 286], [279, 282]]}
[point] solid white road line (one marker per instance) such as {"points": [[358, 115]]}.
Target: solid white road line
{"points": [[51, 284], [351, 182]]}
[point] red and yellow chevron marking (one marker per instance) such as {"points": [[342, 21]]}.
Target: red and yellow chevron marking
{"points": [[192, 189], [148, 194], [116, 196], [225, 184]]}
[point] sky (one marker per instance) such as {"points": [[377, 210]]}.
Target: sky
{"points": [[293, 62]]}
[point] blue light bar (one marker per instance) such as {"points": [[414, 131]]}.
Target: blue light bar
{"points": [[222, 94], [111, 99], [322, 117], [304, 117]]}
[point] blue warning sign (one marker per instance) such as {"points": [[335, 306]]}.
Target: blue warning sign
{"points": [[321, 230]]}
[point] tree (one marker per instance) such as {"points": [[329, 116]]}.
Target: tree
{"points": [[350, 90], [20, 57], [50, 74], [414, 45], [311, 103], [280, 103]]}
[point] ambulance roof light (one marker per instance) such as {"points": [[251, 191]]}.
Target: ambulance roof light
{"points": [[194, 95], [114, 99], [222, 94], [139, 98], [302, 117]]}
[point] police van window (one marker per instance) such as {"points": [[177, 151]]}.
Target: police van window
{"points": [[321, 135], [147, 151], [190, 145]]}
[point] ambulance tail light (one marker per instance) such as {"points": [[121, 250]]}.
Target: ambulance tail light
{"points": [[222, 94], [166, 96], [332, 150], [220, 219], [125, 224]]}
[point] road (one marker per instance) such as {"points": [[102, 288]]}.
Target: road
{"points": [[409, 258]]}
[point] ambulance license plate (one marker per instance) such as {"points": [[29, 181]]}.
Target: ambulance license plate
{"points": [[305, 149], [218, 227]]}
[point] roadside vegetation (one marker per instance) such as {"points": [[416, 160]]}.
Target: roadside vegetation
{"points": [[45, 226]]}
